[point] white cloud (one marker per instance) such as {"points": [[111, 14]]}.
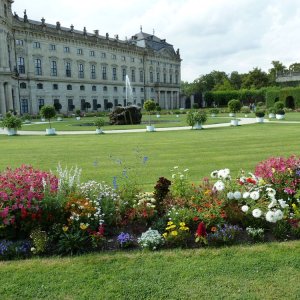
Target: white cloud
{"points": [[223, 35]]}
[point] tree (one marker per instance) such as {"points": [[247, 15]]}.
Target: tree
{"points": [[278, 68], [256, 79], [236, 80], [87, 105], [57, 106], [295, 67], [225, 86], [149, 106], [48, 112]]}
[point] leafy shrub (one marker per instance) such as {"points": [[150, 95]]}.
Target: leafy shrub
{"points": [[260, 113], [224, 235], [151, 240], [234, 105], [245, 110]]}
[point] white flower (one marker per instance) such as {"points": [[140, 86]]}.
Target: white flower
{"points": [[219, 185], [245, 208], [273, 203], [181, 176], [246, 195], [270, 216], [283, 203], [254, 195], [173, 176], [214, 174], [256, 213], [176, 167], [224, 174], [230, 195], [278, 214], [185, 170], [271, 192], [237, 195]]}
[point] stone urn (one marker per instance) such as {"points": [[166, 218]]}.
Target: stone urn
{"points": [[50, 131]]}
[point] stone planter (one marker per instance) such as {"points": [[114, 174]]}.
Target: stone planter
{"points": [[213, 115], [246, 116], [234, 122], [99, 131], [50, 131], [197, 126], [43, 120], [232, 115], [59, 119], [11, 131], [177, 116], [260, 119], [279, 117], [77, 118], [150, 128], [157, 116], [272, 116]]}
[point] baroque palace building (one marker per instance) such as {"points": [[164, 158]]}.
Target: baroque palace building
{"points": [[43, 64]]}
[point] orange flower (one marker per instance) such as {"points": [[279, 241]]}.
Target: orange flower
{"points": [[213, 229]]}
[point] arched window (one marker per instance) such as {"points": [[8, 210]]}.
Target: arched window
{"points": [[23, 85]]}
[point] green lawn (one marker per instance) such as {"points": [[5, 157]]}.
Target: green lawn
{"points": [[201, 151], [71, 124], [263, 271]]}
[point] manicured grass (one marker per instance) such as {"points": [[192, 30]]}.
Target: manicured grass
{"points": [[71, 124], [263, 271], [201, 151]]}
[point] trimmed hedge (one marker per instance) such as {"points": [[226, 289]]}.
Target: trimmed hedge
{"points": [[221, 98], [282, 95]]}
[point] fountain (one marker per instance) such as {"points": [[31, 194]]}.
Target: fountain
{"points": [[129, 95]]}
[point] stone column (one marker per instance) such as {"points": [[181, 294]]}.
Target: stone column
{"points": [[9, 96], [2, 99], [16, 99]]}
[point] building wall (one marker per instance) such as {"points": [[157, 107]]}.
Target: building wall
{"points": [[30, 87]]}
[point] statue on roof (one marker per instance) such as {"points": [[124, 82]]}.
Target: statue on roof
{"points": [[177, 52], [25, 16]]}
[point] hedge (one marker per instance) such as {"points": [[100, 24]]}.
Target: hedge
{"points": [[281, 95]]}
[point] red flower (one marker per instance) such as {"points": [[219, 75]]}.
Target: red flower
{"points": [[251, 180], [201, 230], [196, 219]]}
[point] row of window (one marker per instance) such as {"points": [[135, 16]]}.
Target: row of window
{"points": [[92, 53], [40, 86], [81, 72]]}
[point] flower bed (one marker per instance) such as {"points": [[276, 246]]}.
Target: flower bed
{"points": [[41, 213]]}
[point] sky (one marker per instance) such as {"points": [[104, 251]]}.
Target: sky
{"points": [[222, 35]]}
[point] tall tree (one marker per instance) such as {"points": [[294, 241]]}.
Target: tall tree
{"points": [[235, 80], [277, 69], [295, 67], [255, 79]]}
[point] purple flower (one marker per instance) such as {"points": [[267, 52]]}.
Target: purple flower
{"points": [[124, 238]]}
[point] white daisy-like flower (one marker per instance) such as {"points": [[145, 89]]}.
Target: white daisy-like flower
{"points": [[245, 208], [254, 195], [271, 192], [224, 174], [237, 195], [278, 214], [283, 203], [181, 176], [273, 203], [219, 185], [256, 213], [176, 167], [270, 216], [214, 174], [230, 195], [246, 195], [185, 170], [173, 176]]}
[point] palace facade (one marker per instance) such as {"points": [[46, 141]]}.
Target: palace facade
{"points": [[43, 64]]}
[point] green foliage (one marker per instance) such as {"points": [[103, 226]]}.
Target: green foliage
{"points": [[150, 106], [48, 112], [214, 111], [234, 105], [99, 123], [197, 116], [260, 113], [11, 122], [245, 110], [256, 79], [279, 106]]}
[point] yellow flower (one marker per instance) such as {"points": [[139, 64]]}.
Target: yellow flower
{"points": [[184, 228], [181, 224], [165, 235], [273, 170], [65, 228], [171, 227], [170, 223], [83, 226], [174, 233]]}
